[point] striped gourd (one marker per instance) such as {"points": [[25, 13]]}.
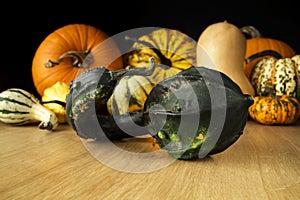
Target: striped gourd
{"points": [[132, 90], [130, 94], [18, 107], [272, 76], [172, 50]]}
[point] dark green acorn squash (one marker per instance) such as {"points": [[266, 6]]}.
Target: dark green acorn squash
{"points": [[86, 104], [197, 112]]}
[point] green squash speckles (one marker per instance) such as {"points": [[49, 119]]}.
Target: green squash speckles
{"points": [[173, 144], [262, 74], [285, 78]]}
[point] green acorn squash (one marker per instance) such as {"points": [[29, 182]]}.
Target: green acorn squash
{"points": [[91, 109], [197, 112]]}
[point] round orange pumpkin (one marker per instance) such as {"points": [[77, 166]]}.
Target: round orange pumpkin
{"points": [[70, 50], [259, 47]]}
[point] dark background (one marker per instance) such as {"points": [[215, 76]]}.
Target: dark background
{"points": [[24, 26]]}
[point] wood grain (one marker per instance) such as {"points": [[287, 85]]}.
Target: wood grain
{"points": [[36, 164]]}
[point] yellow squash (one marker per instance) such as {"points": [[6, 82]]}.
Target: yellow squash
{"points": [[54, 98], [172, 50]]}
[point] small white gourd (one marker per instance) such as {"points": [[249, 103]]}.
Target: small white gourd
{"points": [[18, 107]]}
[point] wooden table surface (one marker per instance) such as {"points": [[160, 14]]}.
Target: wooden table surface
{"points": [[36, 164]]}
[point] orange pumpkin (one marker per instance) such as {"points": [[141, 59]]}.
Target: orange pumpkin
{"points": [[259, 47], [70, 50]]}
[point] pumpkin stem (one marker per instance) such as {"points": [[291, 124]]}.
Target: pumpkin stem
{"points": [[76, 56], [163, 60], [262, 54], [251, 32]]}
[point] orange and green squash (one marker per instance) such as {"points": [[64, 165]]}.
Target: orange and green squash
{"points": [[275, 110]]}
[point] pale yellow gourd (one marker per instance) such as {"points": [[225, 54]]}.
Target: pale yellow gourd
{"points": [[222, 46], [54, 98]]}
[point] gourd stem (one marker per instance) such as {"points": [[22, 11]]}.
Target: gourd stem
{"points": [[140, 71], [63, 104], [76, 56], [165, 61], [251, 32], [47, 118], [262, 54]]}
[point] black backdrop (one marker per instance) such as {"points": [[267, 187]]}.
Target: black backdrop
{"points": [[24, 26]]}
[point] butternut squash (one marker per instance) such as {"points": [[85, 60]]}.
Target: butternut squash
{"points": [[222, 46]]}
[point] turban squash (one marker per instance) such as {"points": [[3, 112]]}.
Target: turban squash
{"points": [[271, 110], [68, 51], [259, 47]]}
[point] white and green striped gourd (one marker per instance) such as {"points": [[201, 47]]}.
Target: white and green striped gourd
{"points": [[18, 107]]}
